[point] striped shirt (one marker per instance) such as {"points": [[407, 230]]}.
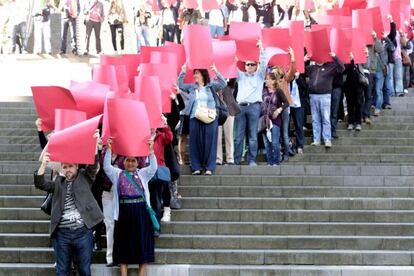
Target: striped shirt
{"points": [[71, 217]]}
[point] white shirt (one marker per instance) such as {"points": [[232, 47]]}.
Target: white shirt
{"points": [[168, 17], [216, 18]]}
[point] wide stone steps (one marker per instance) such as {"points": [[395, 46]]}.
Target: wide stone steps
{"points": [[235, 256], [311, 203]]}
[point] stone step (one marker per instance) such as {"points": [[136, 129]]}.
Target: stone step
{"points": [[20, 156], [19, 140], [243, 242], [362, 149], [14, 269], [235, 257], [25, 226], [22, 104], [17, 124], [18, 117], [285, 228], [20, 111], [381, 126], [345, 134], [27, 148], [285, 203], [293, 215], [249, 202], [338, 157], [295, 191], [296, 180], [20, 190]]}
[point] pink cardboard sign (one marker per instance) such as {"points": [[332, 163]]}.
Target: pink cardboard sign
{"points": [[75, 144], [49, 98], [65, 118], [198, 57], [318, 45], [225, 58], [89, 96]]}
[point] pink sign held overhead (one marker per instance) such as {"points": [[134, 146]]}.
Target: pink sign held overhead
{"points": [[89, 96], [318, 46], [353, 4], [105, 74], [306, 5], [276, 37], [384, 6], [363, 21], [336, 21], [129, 126], [339, 11], [75, 144], [358, 47], [106, 131], [132, 62], [191, 4], [246, 35], [210, 5], [149, 92], [65, 118], [277, 57], [49, 98], [198, 57], [341, 43], [225, 58], [297, 34]]}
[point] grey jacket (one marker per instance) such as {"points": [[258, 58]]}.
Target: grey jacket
{"points": [[84, 200]]}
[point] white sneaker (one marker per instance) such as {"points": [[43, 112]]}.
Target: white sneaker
{"points": [[167, 215], [328, 144], [350, 127], [316, 143], [358, 127], [405, 91]]}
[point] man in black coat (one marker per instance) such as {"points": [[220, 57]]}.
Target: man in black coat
{"points": [[74, 213]]}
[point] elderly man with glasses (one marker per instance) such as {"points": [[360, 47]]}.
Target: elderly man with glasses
{"points": [[249, 97]]}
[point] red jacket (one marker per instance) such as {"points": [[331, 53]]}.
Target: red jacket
{"points": [[164, 136]]}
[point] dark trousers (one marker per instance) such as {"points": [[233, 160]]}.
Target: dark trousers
{"points": [[298, 117], [96, 27], [66, 24], [168, 32], [156, 192], [114, 29], [203, 144], [368, 92], [79, 243], [335, 101], [354, 104]]}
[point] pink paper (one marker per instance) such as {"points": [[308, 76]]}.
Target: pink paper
{"points": [[336, 21], [149, 92], [210, 5], [129, 127], [65, 118], [363, 20], [336, 11], [106, 132], [306, 5], [297, 35], [198, 57], [341, 43], [353, 4], [246, 35], [358, 47], [225, 58], [47, 99], [170, 48], [276, 37], [105, 74], [277, 57], [75, 144], [384, 5], [167, 81], [191, 4], [132, 61], [89, 96], [317, 44]]}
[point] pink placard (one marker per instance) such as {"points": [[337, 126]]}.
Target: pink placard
{"points": [[166, 58], [65, 118], [130, 136], [297, 34], [132, 62], [358, 47], [191, 4], [336, 11], [198, 57], [245, 31], [363, 20], [276, 37], [318, 46], [225, 58], [210, 5], [75, 144], [149, 92], [384, 6], [47, 99], [306, 5], [336, 21], [167, 81], [89, 96], [105, 74], [277, 57], [341, 43], [353, 4], [106, 131]]}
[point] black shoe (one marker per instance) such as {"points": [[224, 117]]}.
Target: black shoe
{"points": [[292, 153], [74, 51], [285, 158], [335, 136], [110, 265]]}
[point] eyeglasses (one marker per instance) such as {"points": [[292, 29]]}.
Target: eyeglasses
{"points": [[251, 64]]}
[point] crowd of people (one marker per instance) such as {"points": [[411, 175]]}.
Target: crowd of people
{"points": [[266, 112]]}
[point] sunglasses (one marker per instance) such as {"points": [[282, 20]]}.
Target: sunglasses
{"points": [[251, 64]]}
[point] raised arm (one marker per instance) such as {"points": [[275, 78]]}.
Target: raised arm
{"points": [[290, 76], [39, 177], [220, 83], [148, 172], [111, 172], [185, 87]]}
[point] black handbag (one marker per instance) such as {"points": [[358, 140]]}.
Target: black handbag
{"points": [[47, 204], [221, 107], [362, 79]]}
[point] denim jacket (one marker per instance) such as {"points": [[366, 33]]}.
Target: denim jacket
{"points": [[189, 91]]}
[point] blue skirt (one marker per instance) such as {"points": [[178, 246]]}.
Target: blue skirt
{"points": [[133, 235]]}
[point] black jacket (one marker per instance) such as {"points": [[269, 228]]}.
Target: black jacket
{"points": [[84, 200], [321, 76]]}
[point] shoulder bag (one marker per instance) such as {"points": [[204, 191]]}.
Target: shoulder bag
{"points": [[151, 212], [203, 113], [221, 108]]}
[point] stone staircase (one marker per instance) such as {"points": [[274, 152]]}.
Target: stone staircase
{"points": [[343, 211]]}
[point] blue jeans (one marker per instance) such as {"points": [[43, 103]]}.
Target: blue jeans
{"points": [[285, 130], [379, 91], [273, 148], [368, 93], [19, 29], [389, 81], [142, 32], [216, 31], [335, 100], [321, 114], [398, 77], [78, 242], [66, 24], [298, 116], [246, 119]]}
